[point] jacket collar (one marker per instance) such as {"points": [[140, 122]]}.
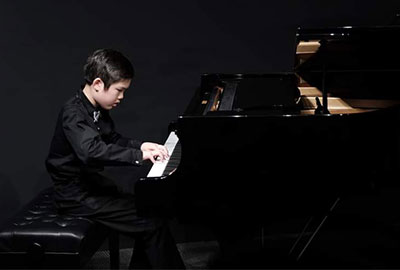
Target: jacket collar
{"points": [[86, 103]]}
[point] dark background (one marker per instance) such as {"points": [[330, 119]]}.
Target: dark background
{"points": [[44, 45]]}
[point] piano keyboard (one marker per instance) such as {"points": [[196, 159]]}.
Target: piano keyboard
{"points": [[165, 167]]}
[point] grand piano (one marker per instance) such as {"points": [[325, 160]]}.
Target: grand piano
{"points": [[251, 149]]}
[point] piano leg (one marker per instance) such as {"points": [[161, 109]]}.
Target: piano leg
{"points": [[314, 225], [240, 245]]}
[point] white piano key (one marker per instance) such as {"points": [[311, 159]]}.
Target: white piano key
{"points": [[159, 166]]}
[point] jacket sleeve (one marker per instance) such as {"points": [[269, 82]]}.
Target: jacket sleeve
{"points": [[89, 146]]}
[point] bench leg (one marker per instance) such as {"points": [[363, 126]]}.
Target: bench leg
{"points": [[113, 245]]}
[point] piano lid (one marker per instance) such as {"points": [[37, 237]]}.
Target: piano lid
{"points": [[350, 62]]}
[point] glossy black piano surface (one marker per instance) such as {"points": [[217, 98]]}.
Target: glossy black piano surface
{"points": [[258, 147]]}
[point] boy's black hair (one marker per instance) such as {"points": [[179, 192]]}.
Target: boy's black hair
{"points": [[109, 65]]}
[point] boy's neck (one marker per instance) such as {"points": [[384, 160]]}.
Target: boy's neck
{"points": [[87, 90]]}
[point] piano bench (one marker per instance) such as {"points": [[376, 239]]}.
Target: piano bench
{"points": [[38, 237]]}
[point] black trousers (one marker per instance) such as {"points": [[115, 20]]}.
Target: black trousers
{"points": [[154, 244]]}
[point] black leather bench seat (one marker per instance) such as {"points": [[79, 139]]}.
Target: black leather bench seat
{"points": [[38, 237]]}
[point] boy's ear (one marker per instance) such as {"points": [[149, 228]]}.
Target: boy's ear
{"points": [[98, 84]]}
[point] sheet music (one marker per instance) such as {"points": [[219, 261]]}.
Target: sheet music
{"points": [[159, 166]]}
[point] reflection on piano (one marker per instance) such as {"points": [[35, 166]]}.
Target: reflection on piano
{"points": [[254, 148]]}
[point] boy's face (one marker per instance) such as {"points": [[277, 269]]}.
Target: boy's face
{"points": [[111, 97]]}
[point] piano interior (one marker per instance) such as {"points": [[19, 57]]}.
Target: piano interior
{"points": [[353, 67], [308, 49]]}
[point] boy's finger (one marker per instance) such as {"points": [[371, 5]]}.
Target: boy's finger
{"points": [[163, 149]]}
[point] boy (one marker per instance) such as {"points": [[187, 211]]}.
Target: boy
{"points": [[85, 141]]}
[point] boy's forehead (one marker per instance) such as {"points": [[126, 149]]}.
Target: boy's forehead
{"points": [[123, 83]]}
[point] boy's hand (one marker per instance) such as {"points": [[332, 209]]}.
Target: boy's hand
{"points": [[154, 152]]}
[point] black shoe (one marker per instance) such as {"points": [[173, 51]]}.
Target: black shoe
{"points": [[139, 260]]}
